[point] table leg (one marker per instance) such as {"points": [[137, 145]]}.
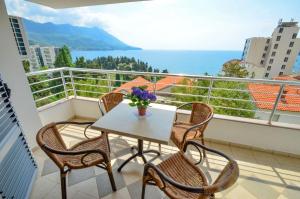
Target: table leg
{"points": [[140, 153]]}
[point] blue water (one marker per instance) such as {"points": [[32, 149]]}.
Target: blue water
{"points": [[185, 62]]}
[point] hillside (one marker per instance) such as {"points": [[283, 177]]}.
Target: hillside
{"points": [[75, 37]]}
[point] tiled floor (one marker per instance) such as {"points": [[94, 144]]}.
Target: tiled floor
{"points": [[262, 175]]}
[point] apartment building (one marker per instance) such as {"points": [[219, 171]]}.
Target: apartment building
{"points": [[268, 57], [42, 56], [20, 36]]}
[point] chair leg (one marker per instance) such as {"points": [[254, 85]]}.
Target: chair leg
{"points": [[63, 183], [143, 190], [111, 177], [204, 152]]}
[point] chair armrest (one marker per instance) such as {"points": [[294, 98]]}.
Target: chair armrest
{"points": [[78, 123], [195, 142], [197, 126], [164, 178]]}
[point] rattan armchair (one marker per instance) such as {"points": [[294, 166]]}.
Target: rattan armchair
{"points": [[179, 178], [110, 100], [91, 152], [200, 116]]}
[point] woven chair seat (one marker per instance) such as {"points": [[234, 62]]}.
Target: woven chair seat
{"points": [[183, 171], [75, 161], [178, 131]]}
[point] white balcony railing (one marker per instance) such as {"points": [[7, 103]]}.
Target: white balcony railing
{"points": [[228, 96]]}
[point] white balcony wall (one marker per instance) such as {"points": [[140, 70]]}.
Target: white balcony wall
{"points": [[12, 72], [246, 132]]}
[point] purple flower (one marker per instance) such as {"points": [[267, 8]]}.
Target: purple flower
{"points": [[137, 92], [152, 97], [145, 95]]}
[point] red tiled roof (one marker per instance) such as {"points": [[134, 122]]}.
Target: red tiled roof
{"points": [[168, 81], [139, 81], [265, 96]]}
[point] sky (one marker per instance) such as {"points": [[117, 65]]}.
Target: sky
{"points": [[173, 24]]}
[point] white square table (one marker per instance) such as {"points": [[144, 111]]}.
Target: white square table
{"points": [[155, 126]]}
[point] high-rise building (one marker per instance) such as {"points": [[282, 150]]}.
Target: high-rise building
{"points": [[49, 54], [20, 36], [268, 57], [42, 56]]}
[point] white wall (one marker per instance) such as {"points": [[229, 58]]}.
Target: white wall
{"points": [[58, 111], [266, 137], [12, 72]]}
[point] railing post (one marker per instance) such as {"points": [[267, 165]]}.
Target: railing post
{"points": [[72, 82], [276, 103], [64, 82], [155, 81], [209, 89], [109, 82]]}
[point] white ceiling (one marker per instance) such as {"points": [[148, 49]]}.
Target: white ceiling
{"points": [[77, 3]]}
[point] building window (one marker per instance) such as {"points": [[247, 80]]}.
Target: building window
{"points": [[286, 59], [268, 41], [266, 48], [283, 67], [278, 38], [262, 62], [267, 75], [269, 68], [288, 51], [275, 46], [281, 73], [271, 61], [273, 53], [280, 30], [264, 55], [291, 44], [294, 36]]}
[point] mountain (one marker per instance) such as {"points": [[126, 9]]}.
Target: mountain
{"points": [[75, 37]]}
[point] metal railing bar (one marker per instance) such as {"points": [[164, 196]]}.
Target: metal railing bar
{"points": [[91, 85], [45, 89], [43, 98], [101, 71], [47, 80], [180, 94], [90, 91]]}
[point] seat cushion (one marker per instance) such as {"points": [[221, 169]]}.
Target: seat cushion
{"points": [[178, 131], [75, 161], [183, 171]]}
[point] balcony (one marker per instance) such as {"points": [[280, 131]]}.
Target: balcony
{"points": [[264, 144]]}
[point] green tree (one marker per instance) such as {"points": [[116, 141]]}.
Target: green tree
{"points": [[26, 65], [165, 71], [63, 58], [233, 68], [80, 62]]}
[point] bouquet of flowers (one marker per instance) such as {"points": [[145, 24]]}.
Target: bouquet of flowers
{"points": [[141, 98]]}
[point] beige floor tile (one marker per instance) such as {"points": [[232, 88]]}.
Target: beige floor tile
{"points": [[87, 187], [120, 194]]}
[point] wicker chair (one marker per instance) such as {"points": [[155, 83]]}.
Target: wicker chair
{"points": [[200, 116], [91, 152], [110, 100], [179, 178]]}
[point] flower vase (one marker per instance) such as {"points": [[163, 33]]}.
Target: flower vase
{"points": [[142, 111]]}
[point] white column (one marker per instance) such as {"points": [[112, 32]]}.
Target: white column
{"points": [[12, 72]]}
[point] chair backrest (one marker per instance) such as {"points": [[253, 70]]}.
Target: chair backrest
{"points": [[200, 112], [226, 178], [49, 136], [111, 100]]}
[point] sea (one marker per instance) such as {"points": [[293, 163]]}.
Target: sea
{"points": [[193, 62]]}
